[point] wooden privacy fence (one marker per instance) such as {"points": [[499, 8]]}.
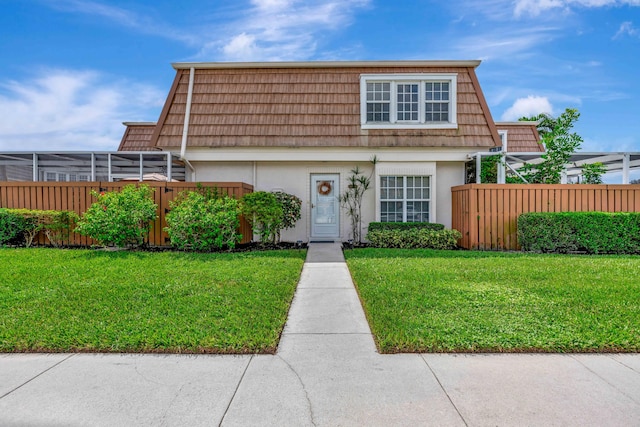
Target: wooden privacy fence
{"points": [[76, 197], [487, 214]]}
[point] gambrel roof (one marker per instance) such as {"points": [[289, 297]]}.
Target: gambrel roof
{"points": [[522, 137], [307, 104], [137, 136]]}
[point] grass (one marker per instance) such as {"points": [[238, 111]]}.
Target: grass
{"points": [[55, 300], [457, 301]]}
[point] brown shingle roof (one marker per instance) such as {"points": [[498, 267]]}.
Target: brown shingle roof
{"points": [[137, 137], [308, 105], [522, 137]]}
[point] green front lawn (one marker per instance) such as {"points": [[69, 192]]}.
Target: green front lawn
{"points": [[81, 300], [458, 301]]}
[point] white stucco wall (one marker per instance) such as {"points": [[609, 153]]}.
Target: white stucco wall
{"points": [[449, 174], [224, 171], [295, 178]]}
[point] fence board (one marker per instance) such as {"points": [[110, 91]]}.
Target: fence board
{"points": [[76, 197], [486, 214]]}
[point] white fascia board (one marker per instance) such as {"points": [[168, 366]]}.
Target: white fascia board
{"points": [[139, 123], [518, 123], [324, 64], [325, 154]]}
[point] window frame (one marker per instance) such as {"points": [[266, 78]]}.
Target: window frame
{"points": [[66, 176], [503, 138], [405, 199], [399, 79]]}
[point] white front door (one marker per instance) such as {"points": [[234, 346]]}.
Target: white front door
{"points": [[325, 206]]}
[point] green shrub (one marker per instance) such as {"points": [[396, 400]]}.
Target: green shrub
{"points": [[291, 207], [23, 225], [375, 226], [591, 232], [57, 225], [120, 218], [203, 223], [264, 213], [12, 227], [414, 238]]}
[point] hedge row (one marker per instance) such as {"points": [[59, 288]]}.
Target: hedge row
{"points": [[21, 226], [376, 226], [414, 238], [590, 232]]}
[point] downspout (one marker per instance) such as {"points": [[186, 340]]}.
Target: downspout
{"points": [[193, 170], [187, 117], [34, 170]]}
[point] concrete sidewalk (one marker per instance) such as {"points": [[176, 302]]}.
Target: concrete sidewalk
{"points": [[326, 372]]}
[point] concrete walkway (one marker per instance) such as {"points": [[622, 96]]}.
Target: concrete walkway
{"points": [[326, 373]]}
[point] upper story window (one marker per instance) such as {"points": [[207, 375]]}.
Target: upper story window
{"points": [[408, 101]]}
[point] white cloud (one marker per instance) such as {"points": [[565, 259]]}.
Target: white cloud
{"points": [[503, 42], [70, 110], [526, 107], [281, 29], [628, 29], [240, 48], [271, 4], [266, 30], [537, 7], [123, 17]]}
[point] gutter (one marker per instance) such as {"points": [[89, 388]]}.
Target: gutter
{"points": [[187, 114], [193, 170], [325, 64], [185, 127]]}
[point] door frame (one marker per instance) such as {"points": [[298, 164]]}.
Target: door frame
{"points": [[315, 229]]}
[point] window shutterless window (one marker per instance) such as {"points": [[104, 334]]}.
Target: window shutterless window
{"points": [[408, 101], [405, 198]]}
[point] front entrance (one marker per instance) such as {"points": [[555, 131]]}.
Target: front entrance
{"points": [[325, 206]]}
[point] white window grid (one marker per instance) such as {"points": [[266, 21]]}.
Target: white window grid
{"points": [[54, 176], [437, 102], [405, 198], [407, 104], [419, 100], [378, 101]]}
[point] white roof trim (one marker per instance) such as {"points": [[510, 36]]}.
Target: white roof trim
{"points": [[139, 123], [518, 123], [324, 64]]}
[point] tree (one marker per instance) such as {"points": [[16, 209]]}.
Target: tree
{"points": [[559, 142], [351, 199], [592, 173]]}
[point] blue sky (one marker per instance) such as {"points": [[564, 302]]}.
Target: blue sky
{"points": [[73, 70]]}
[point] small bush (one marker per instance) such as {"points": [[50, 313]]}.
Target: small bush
{"points": [[264, 213], [58, 225], [414, 238], [120, 218], [200, 222], [12, 227], [591, 232], [21, 226], [291, 207], [375, 226]]}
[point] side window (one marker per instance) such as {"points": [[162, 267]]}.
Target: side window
{"points": [[405, 198]]}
